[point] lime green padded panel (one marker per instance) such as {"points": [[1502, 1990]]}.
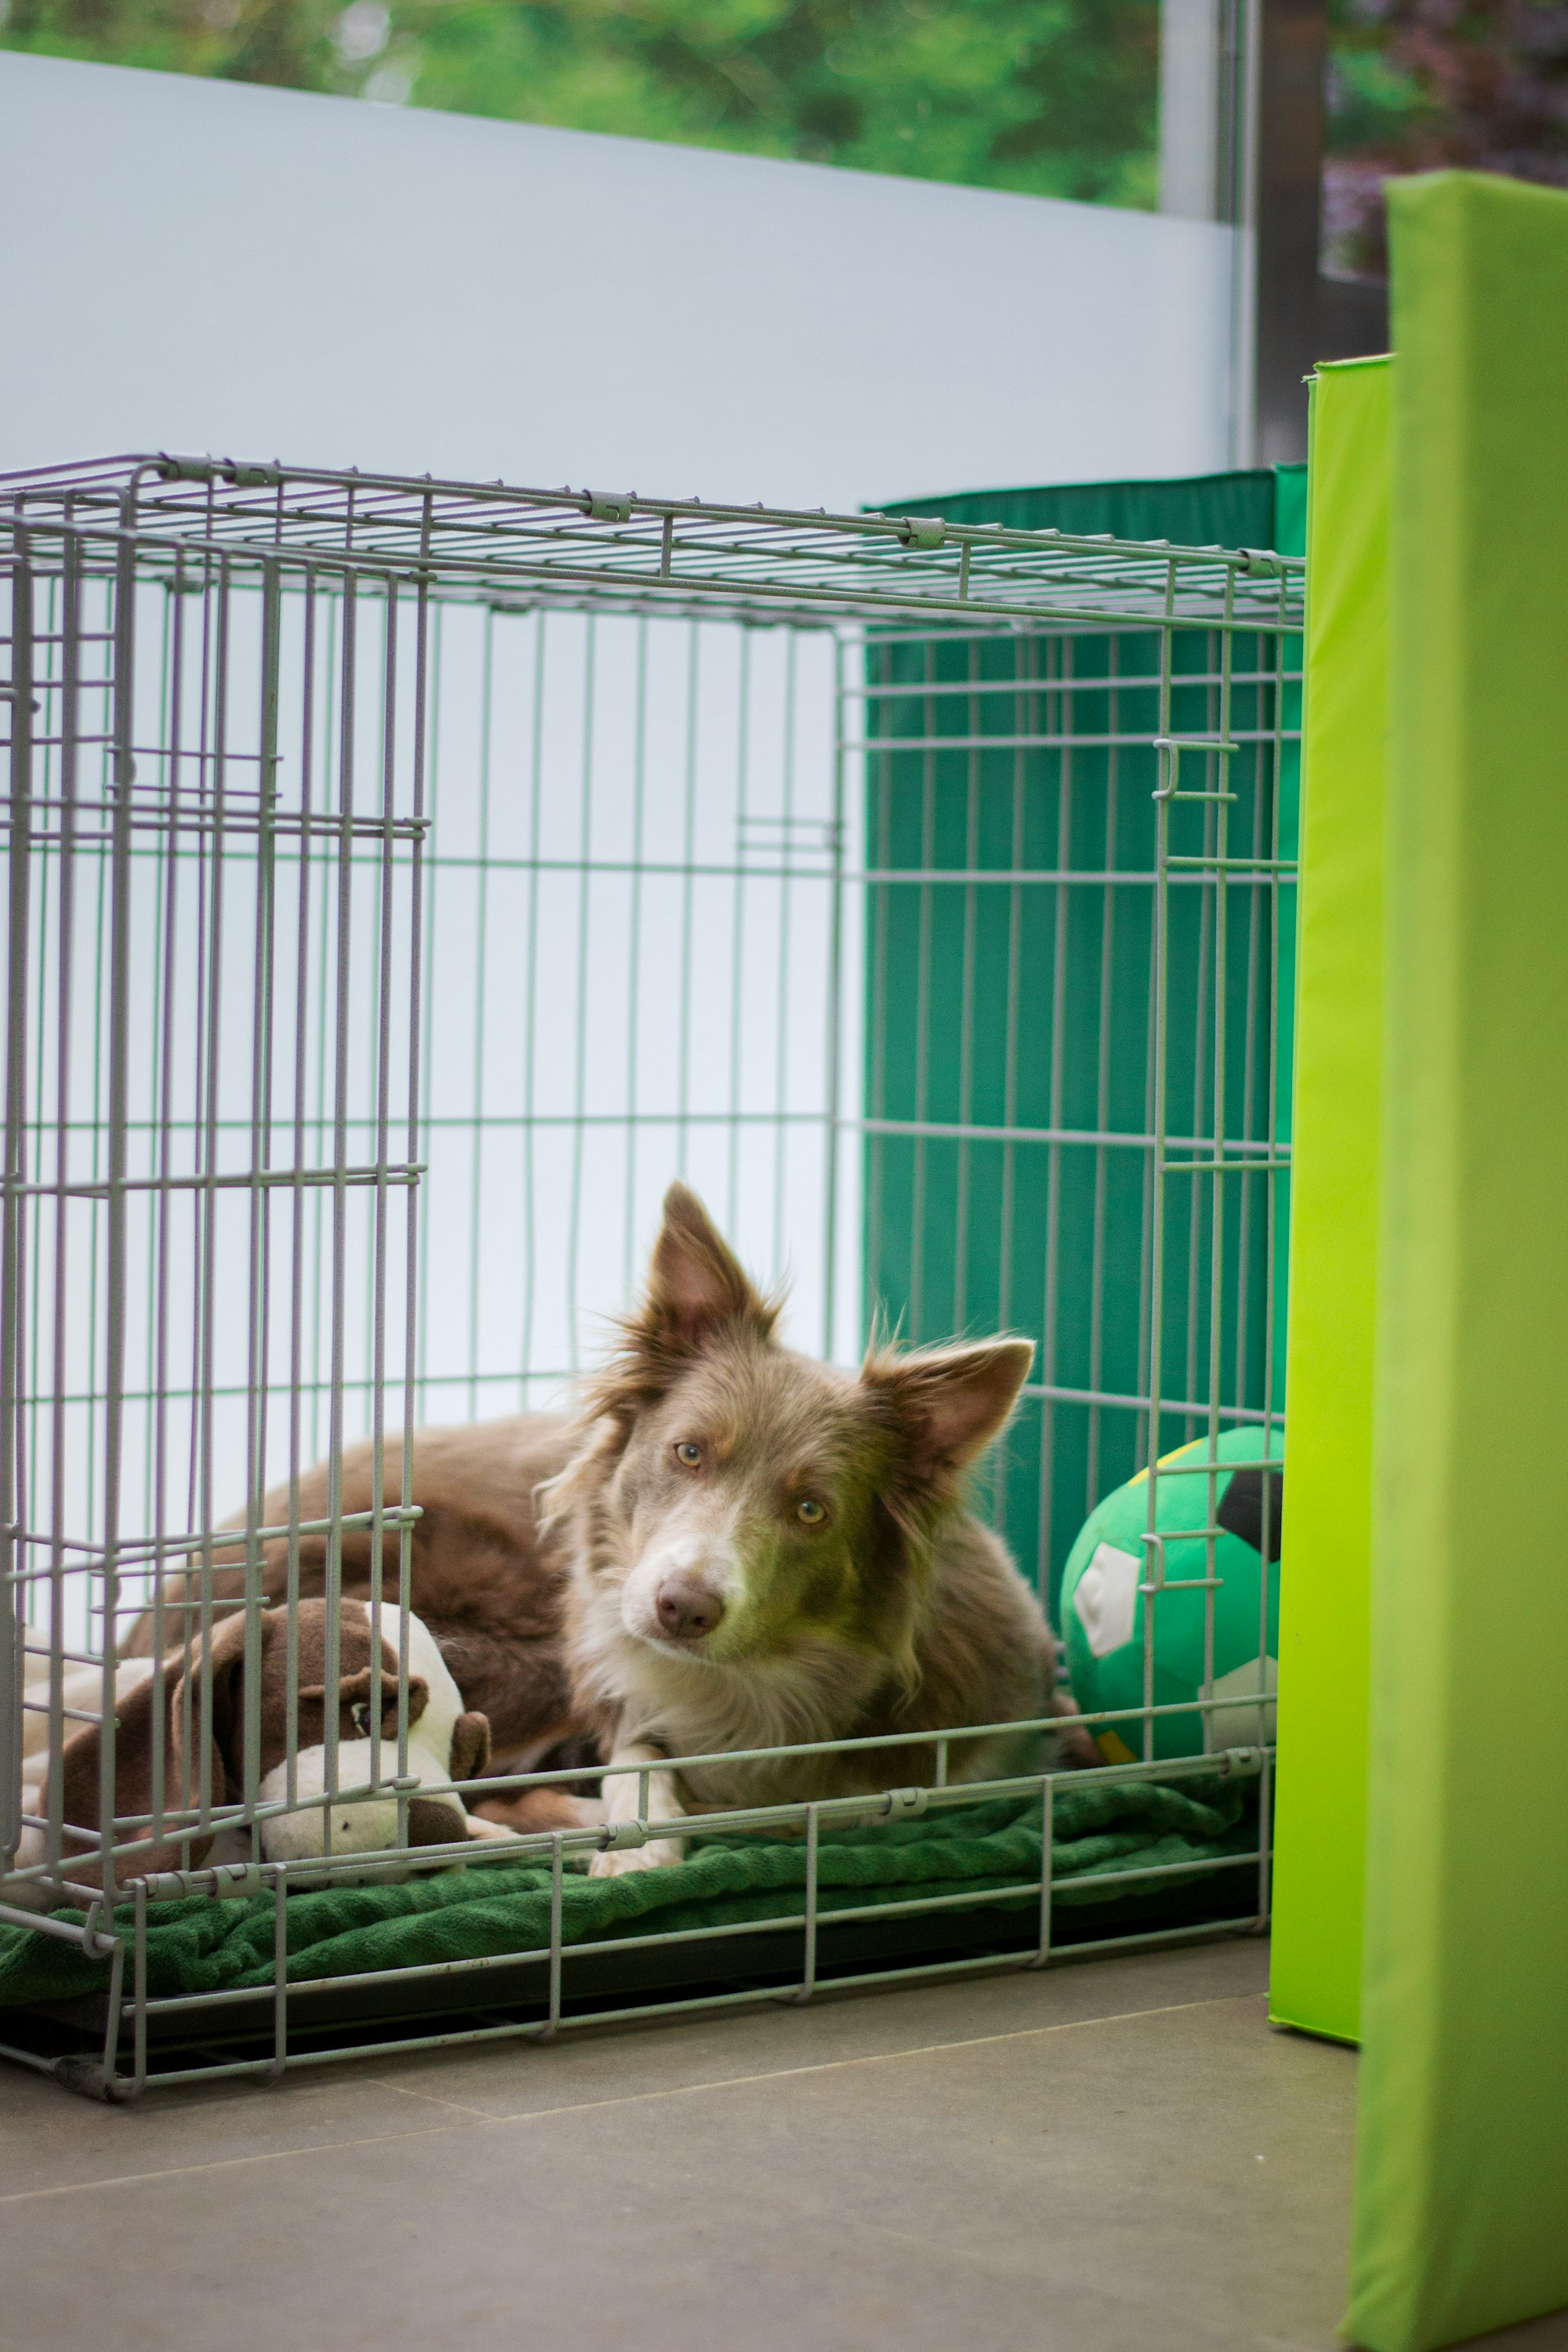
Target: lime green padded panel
{"points": [[1320, 1814], [988, 1008], [1461, 2220]]}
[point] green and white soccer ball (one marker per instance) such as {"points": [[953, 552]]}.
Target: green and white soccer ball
{"points": [[1103, 1602]]}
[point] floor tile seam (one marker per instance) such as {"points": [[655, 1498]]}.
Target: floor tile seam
{"points": [[223, 2164], [872, 2058], [725, 2082], [473, 2116], [430, 2099]]}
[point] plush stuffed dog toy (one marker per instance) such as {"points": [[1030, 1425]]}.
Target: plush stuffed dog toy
{"points": [[178, 1722]]}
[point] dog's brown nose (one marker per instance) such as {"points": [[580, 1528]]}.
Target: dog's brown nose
{"points": [[686, 1610]]}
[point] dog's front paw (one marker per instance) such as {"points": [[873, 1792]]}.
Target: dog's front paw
{"points": [[620, 1859], [480, 1828]]}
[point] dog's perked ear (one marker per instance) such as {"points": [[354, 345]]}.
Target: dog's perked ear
{"points": [[694, 1282], [697, 1289], [948, 1403]]}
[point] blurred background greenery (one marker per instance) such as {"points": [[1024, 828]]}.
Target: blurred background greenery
{"points": [[1417, 84], [1047, 97]]}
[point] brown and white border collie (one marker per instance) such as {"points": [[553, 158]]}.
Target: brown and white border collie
{"points": [[727, 1546]]}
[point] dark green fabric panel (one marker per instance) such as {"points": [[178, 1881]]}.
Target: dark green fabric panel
{"points": [[1194, 510], [1290, 510], [1017, 1008], [501, 1907]]}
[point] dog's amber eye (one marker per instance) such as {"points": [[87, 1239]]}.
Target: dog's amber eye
{"points": [[810, 1512], [687, 1455]]}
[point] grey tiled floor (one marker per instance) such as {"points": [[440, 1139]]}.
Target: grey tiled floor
{"points": [[1119, 2154]]}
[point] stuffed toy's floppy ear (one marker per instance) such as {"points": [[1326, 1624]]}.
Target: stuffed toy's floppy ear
{"points": [[221, 1667], [163, 1727], [470, 1745], [81, 1763]]}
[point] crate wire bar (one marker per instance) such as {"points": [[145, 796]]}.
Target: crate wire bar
{"points": [[103, 2078], [482, 540], [407, 878]]}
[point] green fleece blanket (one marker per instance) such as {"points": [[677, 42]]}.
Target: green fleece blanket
{"points": [[472, 1913]]}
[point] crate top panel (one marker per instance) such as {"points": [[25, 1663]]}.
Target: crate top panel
{"points": [[604, 548]]}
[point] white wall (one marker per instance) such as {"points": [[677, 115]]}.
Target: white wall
{"points": [[202, 265]]}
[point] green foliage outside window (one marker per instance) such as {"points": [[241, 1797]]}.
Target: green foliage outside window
{"points": [[1054, 98], [1414, 84], [1047, 97]]}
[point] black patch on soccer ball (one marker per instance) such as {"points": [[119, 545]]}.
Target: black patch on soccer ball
{"points": [[1241, 1512]]}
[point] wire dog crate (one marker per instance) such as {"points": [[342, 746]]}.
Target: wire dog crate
{"points": [[406, 879]]}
